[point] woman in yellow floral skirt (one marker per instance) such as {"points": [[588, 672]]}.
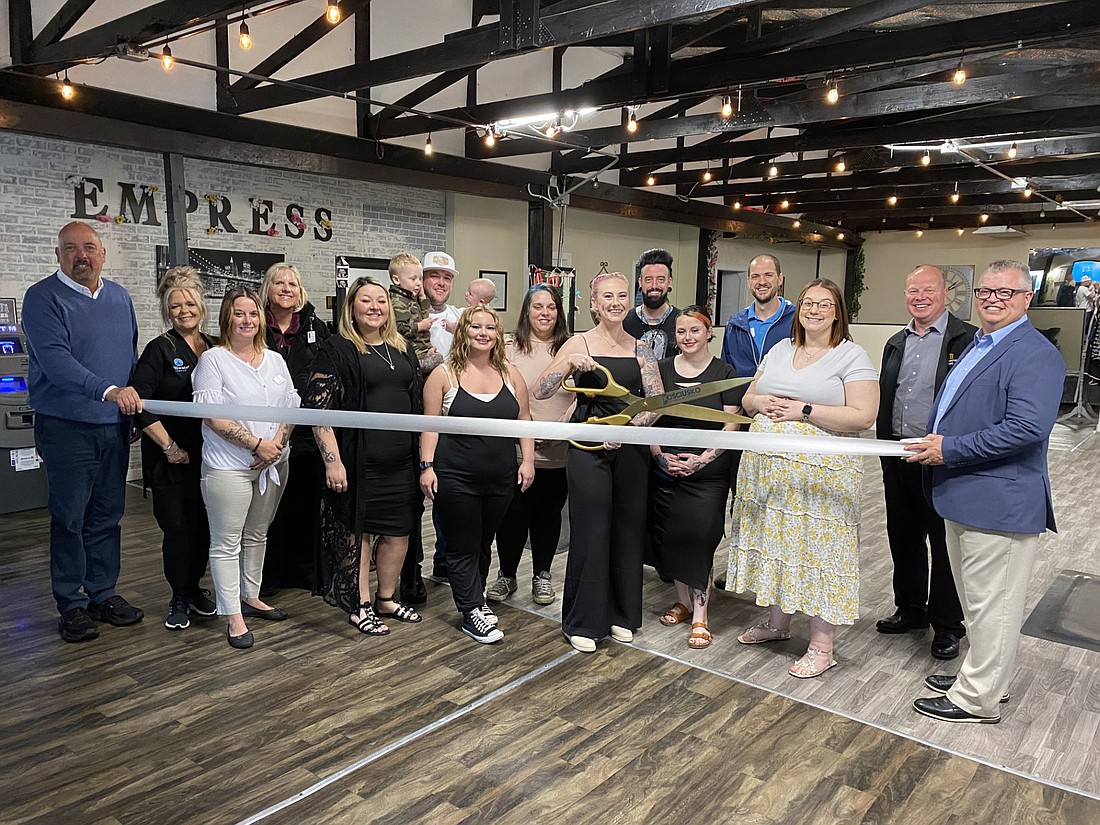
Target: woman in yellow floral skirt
{"points": [[795, 533]]}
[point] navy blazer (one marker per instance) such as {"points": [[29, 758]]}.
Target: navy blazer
{"points": [[995, 433]]}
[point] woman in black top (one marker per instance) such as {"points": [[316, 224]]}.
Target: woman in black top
{"points": [[471, 478], [607, 487], [369, 476], [171, 447], [689, 486], [296, 333]]}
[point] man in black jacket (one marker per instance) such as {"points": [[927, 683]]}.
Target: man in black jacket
{"points": [[915, 362]]}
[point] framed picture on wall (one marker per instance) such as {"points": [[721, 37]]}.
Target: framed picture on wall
{"points": [[224, 269], [501, 280]]}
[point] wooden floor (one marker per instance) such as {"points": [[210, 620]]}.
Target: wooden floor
{"points": [[147, 726]]}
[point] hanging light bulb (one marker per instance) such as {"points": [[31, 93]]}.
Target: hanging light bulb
{"points": [[1012, 151], [959, 231], [796, 224], [926, 158], [245, 39], [784, 204], [166, 57], [773, 171], [840, 236], [920, 232], [841, 166], [892, 200], [833, 94], [1028, 191], [490, 137], [650, 180], [428, 144], [707, 176], [727, 106], [332, 13], [67, 90], [632, 122], [983, 217], [736, 205], [955, 196], [552, 129], [1042, 212], [959, 77]]}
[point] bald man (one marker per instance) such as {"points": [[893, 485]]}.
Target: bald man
{"points": [[915, 362]]}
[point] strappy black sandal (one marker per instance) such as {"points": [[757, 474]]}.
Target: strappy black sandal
{"points": [[370, 625], [403, 613]]}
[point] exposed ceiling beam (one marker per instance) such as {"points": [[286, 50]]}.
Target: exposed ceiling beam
{"points": [[476, 46], [20, 31], [61, 22]]}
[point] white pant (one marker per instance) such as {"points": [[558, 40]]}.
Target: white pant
{"points": [[239, 517], [991, 572]]}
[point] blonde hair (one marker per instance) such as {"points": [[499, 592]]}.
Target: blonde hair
{"points": [[402, 260], [347, 328], [182, 279], [600, 278], [273, 272], [459, 357], [225, 318]]}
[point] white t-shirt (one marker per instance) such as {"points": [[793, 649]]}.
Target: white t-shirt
{"points": [[822, 382], [1082, 300], [441, 339], [220, 377]]}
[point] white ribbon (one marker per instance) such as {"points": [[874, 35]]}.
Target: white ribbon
{"points": [[548, 430]]}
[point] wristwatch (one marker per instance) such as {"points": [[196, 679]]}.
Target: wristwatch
{"points": [[807, 409], [424, 465]]}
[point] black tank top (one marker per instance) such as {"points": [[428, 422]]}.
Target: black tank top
{"points": [[624, 370], [479, 455]]}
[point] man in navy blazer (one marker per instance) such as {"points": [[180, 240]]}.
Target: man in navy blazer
{"points": [[986, 474]]}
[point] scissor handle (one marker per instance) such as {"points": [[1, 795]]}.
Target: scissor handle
{"points": [[612, 389]]}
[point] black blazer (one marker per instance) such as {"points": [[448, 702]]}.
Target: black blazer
{"points": [[957, 337]]}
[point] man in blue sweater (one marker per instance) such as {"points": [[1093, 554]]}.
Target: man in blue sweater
{"points": [[82, 336]]}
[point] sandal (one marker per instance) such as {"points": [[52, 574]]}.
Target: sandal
{"points": [[676, 614], [813, 663], [700, 636], [370, 624], [763, 632], [403, 613]]}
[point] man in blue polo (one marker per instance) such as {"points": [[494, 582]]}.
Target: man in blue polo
{"points": [[763, 323], [82, 337]]}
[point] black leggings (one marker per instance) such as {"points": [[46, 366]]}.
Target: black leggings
{"points": [[181, 516], [470, 511], [536, 513]]}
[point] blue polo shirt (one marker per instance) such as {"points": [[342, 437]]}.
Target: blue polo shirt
{"points": [[758, 327]]}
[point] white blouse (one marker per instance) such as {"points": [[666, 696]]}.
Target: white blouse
{"points": [[222, 378]]}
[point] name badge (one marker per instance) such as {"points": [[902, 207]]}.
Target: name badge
{"points": [[278, 379], [311, 337]]}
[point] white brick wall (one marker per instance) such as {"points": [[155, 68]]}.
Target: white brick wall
{"points": [[368, 219]]}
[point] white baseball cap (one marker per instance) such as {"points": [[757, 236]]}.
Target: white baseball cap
{"points": [[440, 260]]}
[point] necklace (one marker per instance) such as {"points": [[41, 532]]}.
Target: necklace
{"points": [[250, 361], [386, 349], [807, 357], [611, 340]]}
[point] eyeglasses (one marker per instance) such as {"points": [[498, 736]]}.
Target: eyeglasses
{"points": [[983, 293], [824, 306]]}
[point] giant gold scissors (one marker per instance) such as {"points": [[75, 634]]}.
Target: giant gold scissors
{"points": [[673, 402]]}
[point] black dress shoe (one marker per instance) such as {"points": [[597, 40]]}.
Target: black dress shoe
{"points": [[942, 708], [942, 684], [242, 642], [945, 645], [272, 614], [75, 625], [901, 622], [116, 610]]}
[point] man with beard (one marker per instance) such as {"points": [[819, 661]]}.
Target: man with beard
{"points": [[655, 320], [439, 277], [82, 336], [763, 323]]}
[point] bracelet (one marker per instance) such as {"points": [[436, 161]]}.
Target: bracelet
{"points": [[171, 446], [258, 442]]}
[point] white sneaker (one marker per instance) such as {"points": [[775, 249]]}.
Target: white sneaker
{"points": [[582, 644], [622, 634]]}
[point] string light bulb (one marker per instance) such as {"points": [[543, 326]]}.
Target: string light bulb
{"points": [[632, 122], [428, 145], [166, 57], [332, 13], [960, 231], [552, 129], [920, 233], [983, 217], [955, 196], [1028, 191], [784, 204], [926, 158], [727, 106], [245, 39], [707, 176], [796, 223], [490, 138], [650, 180], [959, 77], [833, 94], [1012, 151], [736, 205], [841, 165], [773, 171], [892, 200], [67, 90], [840, 236]]}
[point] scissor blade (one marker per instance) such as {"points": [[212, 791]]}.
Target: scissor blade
{"points": [[681, 395], [704, 414]]}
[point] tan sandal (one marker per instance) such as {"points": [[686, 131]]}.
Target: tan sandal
{"points": [[677, 614], [700, 636], [813, 663], [764, 632]]}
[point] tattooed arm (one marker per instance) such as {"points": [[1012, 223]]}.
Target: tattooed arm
{"points": [[651, 382], [571, 357], [323, 392]]}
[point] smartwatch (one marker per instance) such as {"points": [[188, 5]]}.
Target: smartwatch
{"points": [[424, 465], [807, 409]]}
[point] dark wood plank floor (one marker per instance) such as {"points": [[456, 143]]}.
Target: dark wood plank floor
{"points": [[147, 726]]}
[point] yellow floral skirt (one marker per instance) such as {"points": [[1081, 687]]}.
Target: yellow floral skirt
{"points": [[794, 540]]}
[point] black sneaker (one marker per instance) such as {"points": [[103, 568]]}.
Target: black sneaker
{"points": [[201, 604], [177, 614], [489, 615], [76, 625], [475, 625], [116, 610]]}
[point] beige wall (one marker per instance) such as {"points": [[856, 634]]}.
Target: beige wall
{"points": [[800, 263], [890, 256]]}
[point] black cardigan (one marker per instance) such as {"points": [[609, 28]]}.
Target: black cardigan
{"points": [[299, 360]]}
